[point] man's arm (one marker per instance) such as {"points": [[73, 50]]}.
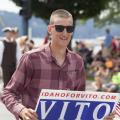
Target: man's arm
{"points": [[81, 76], [12, 93]]}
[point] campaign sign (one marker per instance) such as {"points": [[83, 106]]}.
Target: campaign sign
{"points": [[75, 105]]}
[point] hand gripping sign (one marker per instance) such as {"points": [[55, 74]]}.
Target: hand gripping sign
{"points": [[75, 105]]}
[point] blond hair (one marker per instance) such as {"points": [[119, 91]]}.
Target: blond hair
{"points": [[60, 13]]}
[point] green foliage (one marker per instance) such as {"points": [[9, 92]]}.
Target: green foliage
{"points": [[110, 15], [80, 9]]}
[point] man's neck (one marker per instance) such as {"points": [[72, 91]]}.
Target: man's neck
{"points": [[59, 53]]}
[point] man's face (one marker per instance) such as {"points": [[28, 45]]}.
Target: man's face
{"points": [[60, 31], [8, 34]]}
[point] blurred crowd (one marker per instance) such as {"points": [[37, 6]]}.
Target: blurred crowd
{"points": [[103, 65], [12, 47]]}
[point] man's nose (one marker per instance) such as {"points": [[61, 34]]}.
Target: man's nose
{"points": [[65, 31]]}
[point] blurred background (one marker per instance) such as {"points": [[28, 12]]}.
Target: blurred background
{"points": [[96, 36], [32, 16]]}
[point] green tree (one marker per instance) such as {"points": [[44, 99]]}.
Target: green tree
{"points": [[111, 14], [80, 9]]}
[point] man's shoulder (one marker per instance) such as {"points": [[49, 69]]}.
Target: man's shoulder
{"points": [[34, 51], [74, 54]]}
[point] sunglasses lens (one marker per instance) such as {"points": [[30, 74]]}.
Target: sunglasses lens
{"points": [[59, 28], [70, 29]]}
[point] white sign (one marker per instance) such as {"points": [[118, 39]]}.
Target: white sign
{"points": [[75, 105]]}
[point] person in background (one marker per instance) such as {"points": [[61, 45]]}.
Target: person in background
{"points": [[115, 47], [53, 67], [107, 43], [46, 41], [9, 55], [108, 39], [15, 33], [76, 48], [15, 36], [114, 85], [100, 76], [22, 43], [30, 44], [85, 53]]}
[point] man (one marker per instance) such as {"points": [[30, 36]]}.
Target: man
{"points": [[53, 67], [9, 54]]}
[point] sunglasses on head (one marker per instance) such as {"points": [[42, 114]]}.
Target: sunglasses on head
{"points": [[60, 28]]}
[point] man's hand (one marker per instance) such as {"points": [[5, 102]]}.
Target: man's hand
{"points": [[28, 114], [111, 116]]}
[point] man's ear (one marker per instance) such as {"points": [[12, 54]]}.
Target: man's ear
{"points": [[49, 29]]}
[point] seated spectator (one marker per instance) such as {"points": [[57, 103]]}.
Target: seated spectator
{"points": [[100, 76], [109, 62], [114, 85], [115, 45]]}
